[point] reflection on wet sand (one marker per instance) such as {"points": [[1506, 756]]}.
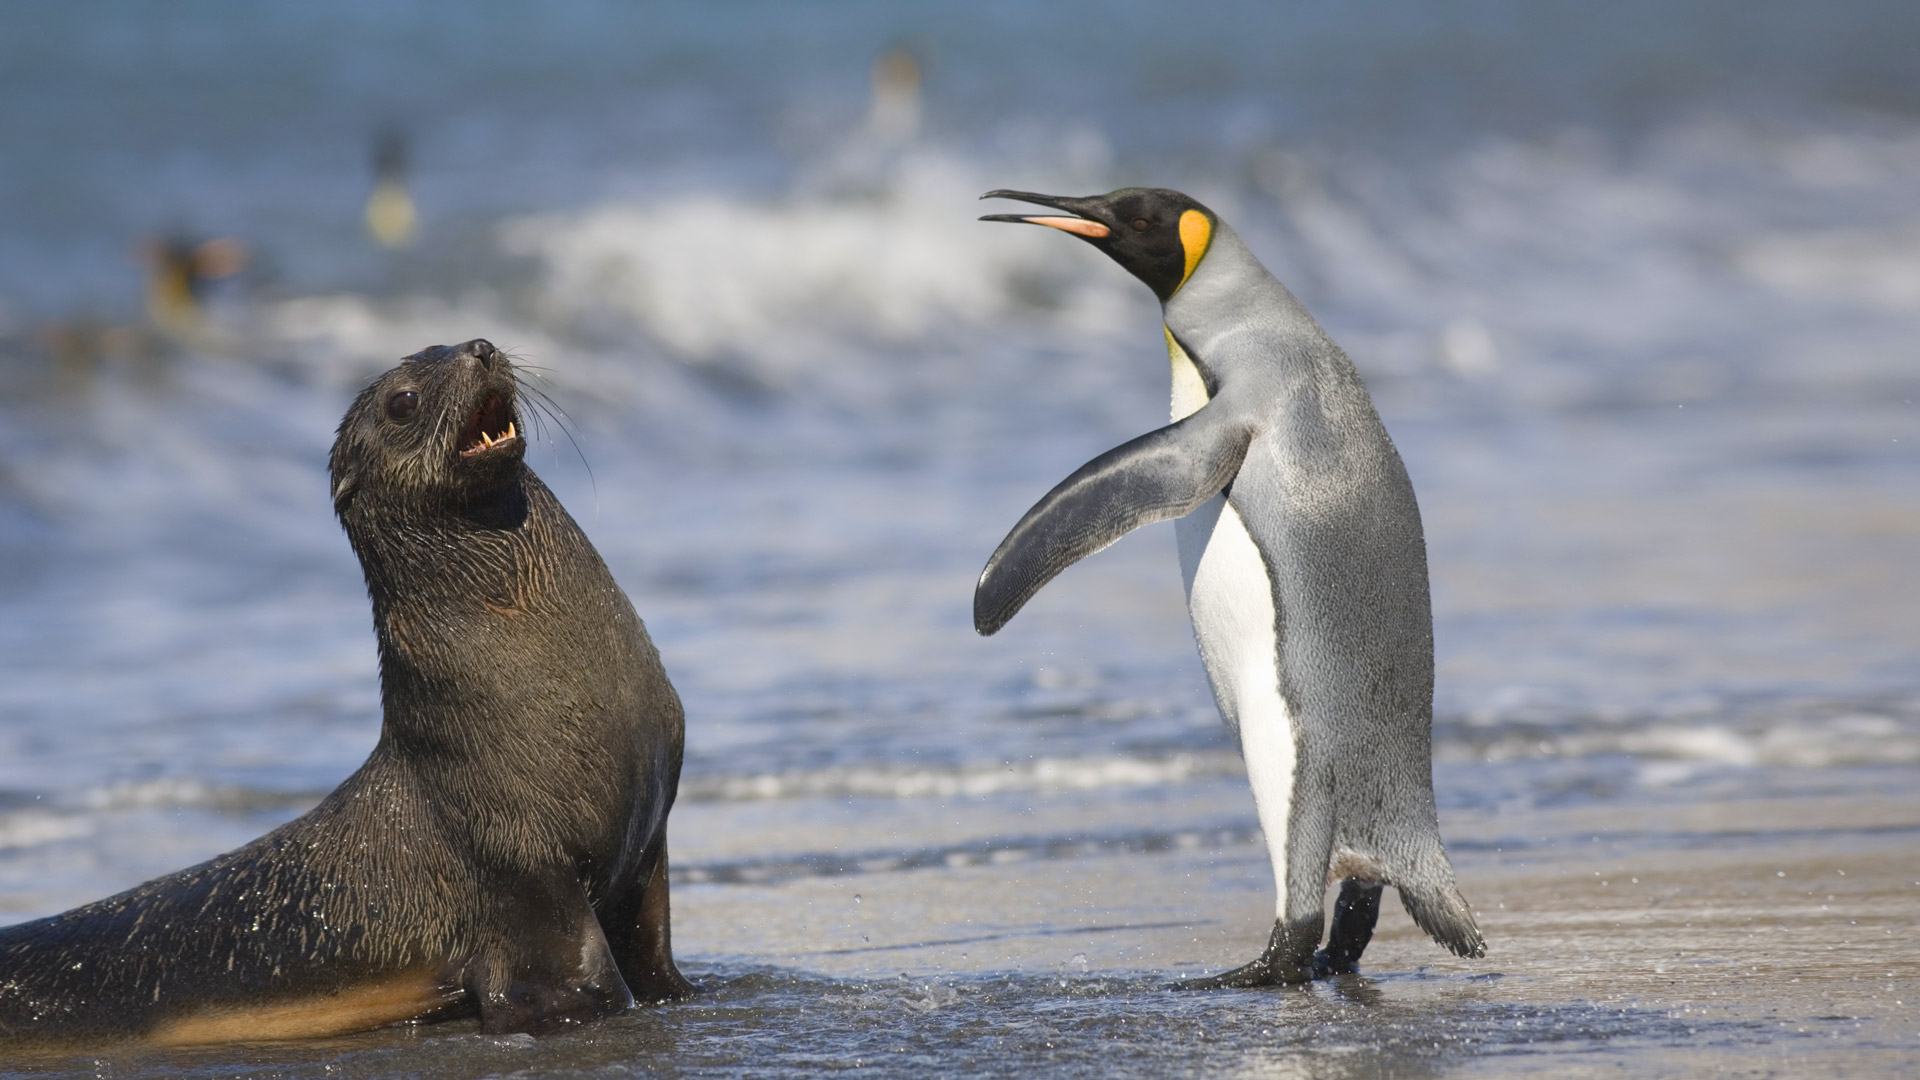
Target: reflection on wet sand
{"points": [[1741, 919]]}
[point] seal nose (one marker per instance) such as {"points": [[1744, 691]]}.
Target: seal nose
{"points": [[482, 350]]}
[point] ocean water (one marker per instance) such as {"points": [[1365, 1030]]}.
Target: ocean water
{"points": [[1636, 289]]}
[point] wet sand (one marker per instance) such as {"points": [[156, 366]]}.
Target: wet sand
{"points": [[1743, 922], [1756, 924]]}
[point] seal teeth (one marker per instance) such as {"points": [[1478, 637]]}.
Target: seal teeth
{"points": [[481, 440], [490, 441]]}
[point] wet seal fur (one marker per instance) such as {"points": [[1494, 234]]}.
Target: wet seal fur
{"points": [[503, 849]]}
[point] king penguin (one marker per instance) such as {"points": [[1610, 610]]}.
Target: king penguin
{"points": [[1305, 570]]}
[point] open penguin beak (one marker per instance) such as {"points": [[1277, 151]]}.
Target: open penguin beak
{"points": [[1081, 223]]}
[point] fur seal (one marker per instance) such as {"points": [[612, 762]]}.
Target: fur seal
{"points": [[502, 851], [1305, 568]]}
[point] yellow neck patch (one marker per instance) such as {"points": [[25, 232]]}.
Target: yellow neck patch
{"points": [[1196, 234]]}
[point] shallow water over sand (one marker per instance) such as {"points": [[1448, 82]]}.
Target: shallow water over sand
{"points": [[1743, 921]]}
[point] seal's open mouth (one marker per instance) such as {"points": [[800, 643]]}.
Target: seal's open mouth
{"points": [[489, 428]]}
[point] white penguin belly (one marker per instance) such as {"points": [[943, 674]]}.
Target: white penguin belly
{"points": [[1230, 598]]}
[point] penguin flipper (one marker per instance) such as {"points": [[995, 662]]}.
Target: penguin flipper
{"points": [[1162, 474]]}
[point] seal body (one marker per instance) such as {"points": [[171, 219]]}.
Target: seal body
{"points": [[1305, 569], [502, 850]]}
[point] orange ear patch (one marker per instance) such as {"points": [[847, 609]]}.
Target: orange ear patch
{"points": [[1196, 234]]}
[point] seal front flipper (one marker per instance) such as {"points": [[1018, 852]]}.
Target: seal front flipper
{"points": [[1162, 474], [547, 963], [639, 932]]}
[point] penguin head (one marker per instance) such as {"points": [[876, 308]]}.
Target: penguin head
{"points": [[1158, 235]]}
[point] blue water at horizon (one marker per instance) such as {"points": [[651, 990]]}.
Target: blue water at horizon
{"points": [[129, 119]]}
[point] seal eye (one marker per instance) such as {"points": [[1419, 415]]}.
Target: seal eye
{"points": [[403, 405], [1141, 224]]}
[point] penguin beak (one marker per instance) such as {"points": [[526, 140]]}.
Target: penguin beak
{"points": [[1085, 227]]}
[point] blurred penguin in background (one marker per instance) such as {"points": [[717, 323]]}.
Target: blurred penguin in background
{"points": [[893, 114], [391, 217], [178, 272], [864, 163]]}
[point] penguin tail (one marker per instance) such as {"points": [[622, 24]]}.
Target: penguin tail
{"points": [[1443, 913]]}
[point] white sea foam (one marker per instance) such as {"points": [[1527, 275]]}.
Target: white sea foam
{"points": [[1043, 774], [179, 793], [1821, 738], [32, 828], [1870, 267], [796, 281]]}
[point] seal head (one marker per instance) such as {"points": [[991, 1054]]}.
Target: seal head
{"points": [[440, 431]]}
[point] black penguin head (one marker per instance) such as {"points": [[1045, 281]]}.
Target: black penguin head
{"points": [[439, 432], [1157, 234]]}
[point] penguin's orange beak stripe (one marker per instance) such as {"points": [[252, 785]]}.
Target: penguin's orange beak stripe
{"points": [[1081, 226]]}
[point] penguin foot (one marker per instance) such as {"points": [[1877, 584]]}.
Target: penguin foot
{"points": [[1326, 965], [1354, 915], [1288, 961], [1261, 972]]}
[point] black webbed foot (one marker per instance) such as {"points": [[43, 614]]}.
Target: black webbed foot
{"points": [[1288, 961], [1354, 915]]}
